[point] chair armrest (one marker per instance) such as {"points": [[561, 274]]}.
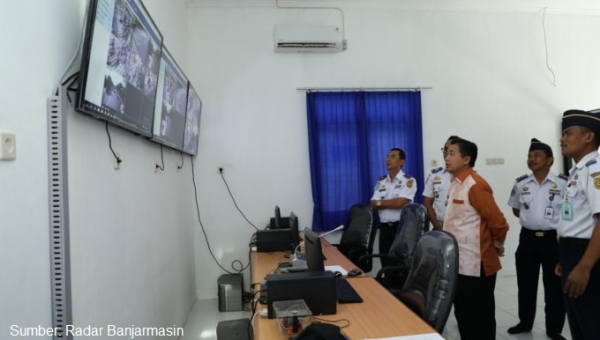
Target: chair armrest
{"points": [[387, 269], [358, 251], [363, 258]]}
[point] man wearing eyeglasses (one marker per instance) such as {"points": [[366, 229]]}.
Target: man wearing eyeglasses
{"points": [[436, 190], [392, 192]]}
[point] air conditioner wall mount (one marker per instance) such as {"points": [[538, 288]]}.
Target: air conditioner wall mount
{"points": [[308, 38]]}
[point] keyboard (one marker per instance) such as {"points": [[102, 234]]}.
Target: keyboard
{"points": [[345, 293]]}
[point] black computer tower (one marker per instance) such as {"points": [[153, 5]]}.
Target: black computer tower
{"points": [[317, 289], [268, 241]]}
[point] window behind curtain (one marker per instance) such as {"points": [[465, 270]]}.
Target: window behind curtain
{"points": [[350, 134]]}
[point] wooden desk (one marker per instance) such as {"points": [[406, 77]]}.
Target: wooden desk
{"points": [[380, 315]]}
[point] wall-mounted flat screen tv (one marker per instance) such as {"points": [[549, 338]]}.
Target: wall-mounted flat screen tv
{"points": [[192, 122], [119, 65], [171, 103]]}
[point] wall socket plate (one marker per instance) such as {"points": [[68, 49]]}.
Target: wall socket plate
{"points": [[494, 161], [8, 146]]}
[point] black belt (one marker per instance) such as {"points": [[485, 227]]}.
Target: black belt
{"points": [[540, 233], [573, 240], [389, 224]]}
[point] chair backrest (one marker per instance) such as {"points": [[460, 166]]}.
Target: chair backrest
{"points": [[359, 235], [414, 221], [431, 284]]}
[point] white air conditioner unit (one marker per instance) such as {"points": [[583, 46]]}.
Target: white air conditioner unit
{"points": [[308, 38]]}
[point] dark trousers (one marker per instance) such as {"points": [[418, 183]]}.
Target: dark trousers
{"points": [[583, 312], [387, 233], [535, 249], [475, 307]]}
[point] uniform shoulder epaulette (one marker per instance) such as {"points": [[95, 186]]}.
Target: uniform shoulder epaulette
{"points": [[407, 176], [433, 171], [519, 179], [382, 177], [591, 161], [563, 176]]}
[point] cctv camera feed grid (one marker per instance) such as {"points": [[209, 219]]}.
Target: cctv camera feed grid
{"points": [[192, 122], [171, 101], [122, 73]]}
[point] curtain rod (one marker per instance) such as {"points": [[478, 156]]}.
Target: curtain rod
{"points": [[334, 89]]}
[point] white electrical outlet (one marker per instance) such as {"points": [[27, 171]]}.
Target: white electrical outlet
{"points": [[8, 147], [494, 161]]}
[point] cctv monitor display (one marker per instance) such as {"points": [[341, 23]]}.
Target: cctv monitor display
{"points": [[313, 251], [171, 103], [119, 65], [192, 122]]}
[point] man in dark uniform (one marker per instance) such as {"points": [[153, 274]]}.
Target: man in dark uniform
{"points": [[392, 192], [536, 201], [578, 231]]}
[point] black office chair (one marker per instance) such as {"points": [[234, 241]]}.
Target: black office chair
{"points": [[414, 221], [431, 284], [358, 236]]}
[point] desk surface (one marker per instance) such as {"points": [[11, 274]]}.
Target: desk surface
{"points": [[380, 315]]}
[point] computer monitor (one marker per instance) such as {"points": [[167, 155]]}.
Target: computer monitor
{"points": [[192, 122], [171, 103], [277, 218], [294, 230], [119, 65], [313, 251]]}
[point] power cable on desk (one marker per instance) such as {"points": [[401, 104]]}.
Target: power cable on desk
{"points": [[251, 329], [234, 202], [333, 322], [206, 237]]}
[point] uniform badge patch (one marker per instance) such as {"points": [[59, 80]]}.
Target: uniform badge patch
{"points": [[576, 177], [595, 174], [525, 188], [437, 178], [597, 182], [410, 183], [553, 185]]}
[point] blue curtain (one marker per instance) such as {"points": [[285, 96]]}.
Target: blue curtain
{"points": [[350, 134]]}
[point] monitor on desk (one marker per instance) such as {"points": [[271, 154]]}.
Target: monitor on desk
{"points": [[278, 222], [277, 218], [313, 251], [294, 230]]}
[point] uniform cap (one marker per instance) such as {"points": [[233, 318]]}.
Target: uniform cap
{"points": [[589, 119], [537, 145]]}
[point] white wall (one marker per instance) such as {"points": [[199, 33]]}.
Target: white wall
{"points": [[33, 58], [487, 67], [132, 257]]}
